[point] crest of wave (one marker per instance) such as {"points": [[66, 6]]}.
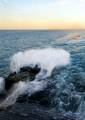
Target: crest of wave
{"points": [[47, 59]]}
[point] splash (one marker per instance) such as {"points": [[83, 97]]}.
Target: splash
{"points": [[46, 59], [2, 84], [21, 88]]}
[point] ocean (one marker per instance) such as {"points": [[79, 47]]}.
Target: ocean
{"points": [[65, 88]]}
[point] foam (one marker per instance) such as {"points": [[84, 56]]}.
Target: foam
{"points": [[2, 84], [22, 88], [47, 59], [73, 37]]}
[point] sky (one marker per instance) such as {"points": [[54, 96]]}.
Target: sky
{"points": [[42, 14]]}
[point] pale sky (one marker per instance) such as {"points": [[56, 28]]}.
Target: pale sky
{"points": [[42, 14]]}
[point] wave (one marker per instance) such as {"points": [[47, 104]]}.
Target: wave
{"points": [[21, 88], [73, 36], [47, 59]]}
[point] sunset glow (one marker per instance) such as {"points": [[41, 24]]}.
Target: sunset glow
{"points": [[42, 14]]}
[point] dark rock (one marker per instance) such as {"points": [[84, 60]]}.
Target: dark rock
{"points": [[25, 73], [34, 70]]}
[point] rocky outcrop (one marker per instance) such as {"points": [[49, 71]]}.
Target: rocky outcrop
{"points": [[35, 107], [25, 73]]}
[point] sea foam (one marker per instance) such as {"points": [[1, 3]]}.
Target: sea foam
{"points": [[47, 59], [2, 84], [20, 88]]}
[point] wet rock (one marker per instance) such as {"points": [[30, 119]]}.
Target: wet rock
{"points": [[25, 73], [35, 70]]}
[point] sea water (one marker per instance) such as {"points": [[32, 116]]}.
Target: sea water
{"points": [[66, 85]]}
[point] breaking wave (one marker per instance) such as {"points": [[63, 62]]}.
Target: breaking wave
{"points": [[21, 88], [46, 59], [73, 36]]}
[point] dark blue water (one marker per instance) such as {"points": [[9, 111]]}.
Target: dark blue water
{"points": [[66, 87]]}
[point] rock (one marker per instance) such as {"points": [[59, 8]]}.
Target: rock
{"points": [[24, 74], [34, 70]]}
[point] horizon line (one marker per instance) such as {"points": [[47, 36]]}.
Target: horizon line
{"points": [[43, 29]]}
